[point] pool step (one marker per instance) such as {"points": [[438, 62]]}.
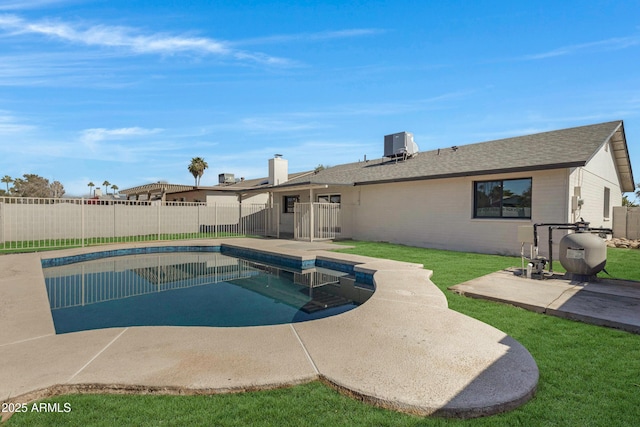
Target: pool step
{"points": [[323, 300]]}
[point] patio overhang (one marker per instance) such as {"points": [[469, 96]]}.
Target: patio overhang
{"points": [[286, 187], [157, 188]]}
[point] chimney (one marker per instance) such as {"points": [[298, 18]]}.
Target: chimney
{"points": [[278, 170]]}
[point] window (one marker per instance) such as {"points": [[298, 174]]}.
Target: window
{"points": [[607, 198], [329, 198], [289, 203], [509, 198]]}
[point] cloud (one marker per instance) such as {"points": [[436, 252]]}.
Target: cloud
{"points": [[92, 136], [273, 125], [306, 37], [132, 40], [616, 43], [10, 125], [28, 4], [63, 69]]}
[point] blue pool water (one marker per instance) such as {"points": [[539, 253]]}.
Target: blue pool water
{"points": [[192, 289]]}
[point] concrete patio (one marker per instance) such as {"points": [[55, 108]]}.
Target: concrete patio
{"points": [[403, 349], [605, 302]]}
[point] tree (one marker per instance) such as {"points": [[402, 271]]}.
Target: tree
{"points": [[7, 180], [638, 191], [57, 189], [114, 188], [91, 185], [32, 185], [197, 167], [106, 186]]}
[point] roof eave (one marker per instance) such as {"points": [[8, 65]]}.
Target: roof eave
{"points": [[620, 151]]}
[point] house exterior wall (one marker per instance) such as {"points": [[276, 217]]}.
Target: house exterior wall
{"points": [[598, 173], [286, 218], [255, 199], [211, 197], [439, 213], [221, 198], [187, 196]]}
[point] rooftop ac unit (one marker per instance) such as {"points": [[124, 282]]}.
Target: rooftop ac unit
{"points": [[226, 178], [399, 145]]}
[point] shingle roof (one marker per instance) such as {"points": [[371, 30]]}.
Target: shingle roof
{"points": [[251, 184], [238, 186], [548, 150]]}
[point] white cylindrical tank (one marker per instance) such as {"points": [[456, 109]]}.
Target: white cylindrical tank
{"points": [[583, 253]]}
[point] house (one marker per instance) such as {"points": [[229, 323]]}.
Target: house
{"points": [[472, 197], [466, 198], [228, 190]]}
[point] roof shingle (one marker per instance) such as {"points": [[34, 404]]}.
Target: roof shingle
{"points": [[548, 150]]}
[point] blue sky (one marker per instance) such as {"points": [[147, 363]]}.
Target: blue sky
{"points": [[130, 91]]}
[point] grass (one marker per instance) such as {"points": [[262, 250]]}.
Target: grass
{"points": [[589, 375]]}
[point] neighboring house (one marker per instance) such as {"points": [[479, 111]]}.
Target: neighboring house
{"points": [[229, 190], [473, 197]]}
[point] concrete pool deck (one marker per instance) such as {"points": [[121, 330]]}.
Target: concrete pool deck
{"points": [[403, 349]]}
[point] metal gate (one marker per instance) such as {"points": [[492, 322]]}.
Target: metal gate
{"points": [[316, 221]]}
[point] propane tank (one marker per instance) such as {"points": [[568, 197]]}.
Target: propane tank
{"points": [[583, 254]]}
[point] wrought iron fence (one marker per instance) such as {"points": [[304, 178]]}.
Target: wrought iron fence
{"points": [[316, 221], [43, 223]]}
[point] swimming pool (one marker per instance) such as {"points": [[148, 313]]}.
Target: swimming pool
{"points": [[192, 287]]}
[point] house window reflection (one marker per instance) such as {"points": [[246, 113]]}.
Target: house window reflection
{"points": [[329, 198], [509, 198], [290, 202]]}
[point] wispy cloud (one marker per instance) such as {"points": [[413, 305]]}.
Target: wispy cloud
{"points": [[131, 39], [616, 43], [307, 37], [63, 69], [29, 4], [91, 136], [323, 119], [275, 124], [9, 124]]}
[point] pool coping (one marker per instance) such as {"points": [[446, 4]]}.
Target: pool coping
{"points": [[403, 349]]}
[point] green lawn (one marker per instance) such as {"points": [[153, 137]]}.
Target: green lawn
{"points": [[589, 375]]}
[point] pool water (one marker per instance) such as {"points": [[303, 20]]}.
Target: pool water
{"points": [[193, 289]]}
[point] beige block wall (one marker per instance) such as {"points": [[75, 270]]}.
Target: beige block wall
{"points": [[23, 222], [439, 213], [598, 173]]}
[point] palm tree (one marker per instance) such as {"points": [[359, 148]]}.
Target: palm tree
{"points": [[114, 188], [91, 185], [8, 180], [106, 186], [197, 167]]}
